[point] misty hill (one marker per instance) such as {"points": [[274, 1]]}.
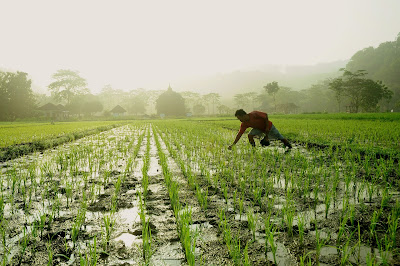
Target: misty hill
{"points": [[297, 77]]}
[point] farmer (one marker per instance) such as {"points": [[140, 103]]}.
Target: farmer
{"points": [[258, 121]]}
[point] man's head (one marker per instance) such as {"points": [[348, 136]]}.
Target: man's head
{"points": [[242, 115]]}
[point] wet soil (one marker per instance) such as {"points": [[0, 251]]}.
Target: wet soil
{"points": [[95, 165]]}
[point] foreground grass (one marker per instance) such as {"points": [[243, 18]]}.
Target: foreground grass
{"points": [[18, 133], [23, 138]]}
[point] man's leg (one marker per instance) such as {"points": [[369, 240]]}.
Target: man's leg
{"points": [[251, 140], [274, 133]]}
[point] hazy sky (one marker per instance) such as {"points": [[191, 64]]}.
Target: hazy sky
{"points": [[131, 44]]}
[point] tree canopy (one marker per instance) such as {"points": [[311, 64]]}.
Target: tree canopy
{"points": [[272, 88], [16, 96], [381, 63], [170, 103], [67, 84], [362, 92]]}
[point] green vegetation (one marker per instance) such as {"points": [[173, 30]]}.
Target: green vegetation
{"points": [[332, 205], [377, 133], [17, 139]]}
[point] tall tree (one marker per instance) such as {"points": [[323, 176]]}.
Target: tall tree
{"points": [[16, 96], [272, 88], [191, 99], [242, 100], [199, 109], [362, 92], [224, 110], [381, 63], [67, 84], [338, 87], [213, 99], [170, 103]]}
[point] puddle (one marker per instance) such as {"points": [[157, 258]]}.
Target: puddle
{"points": [[168, 254], [282, 256], [154, 168], [128, 239], [357, 256], [130, 216]]}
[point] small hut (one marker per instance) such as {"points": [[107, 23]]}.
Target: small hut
{"points": [[118, 111], [287, 108], [55, 112]]}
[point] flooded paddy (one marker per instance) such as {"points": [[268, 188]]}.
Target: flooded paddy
{"points": [[174, 195]]}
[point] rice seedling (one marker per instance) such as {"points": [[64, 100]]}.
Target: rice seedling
{"points": [[301, 225], [252, 223], [246, 260], [319, 243], [288, 213], [374, 222], [23, 245], [49, 254], [107, 229], [42, 221], [270, 231], [327, 201]]}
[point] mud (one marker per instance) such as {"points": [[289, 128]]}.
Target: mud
{"points": [[42, 199]]}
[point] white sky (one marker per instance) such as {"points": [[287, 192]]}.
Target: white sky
{"points": [[148, 44]]}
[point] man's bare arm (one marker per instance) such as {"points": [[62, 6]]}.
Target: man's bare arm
{"points": [[238, 136], [267, 126]]}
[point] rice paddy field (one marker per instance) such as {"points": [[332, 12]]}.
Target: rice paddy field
{"points": [[169, 192]]}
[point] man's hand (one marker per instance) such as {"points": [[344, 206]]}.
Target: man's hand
{"points": [[265, 142]]}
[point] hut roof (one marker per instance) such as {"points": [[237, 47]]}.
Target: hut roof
{"points": [[118, 109], [51, 107]]}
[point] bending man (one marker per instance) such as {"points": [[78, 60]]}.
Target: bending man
{"points": [[262, 127]]}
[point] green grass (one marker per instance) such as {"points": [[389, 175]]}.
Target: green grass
{"points": [[372, 132], [18, 133]]}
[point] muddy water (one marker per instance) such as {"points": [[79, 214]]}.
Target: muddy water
{"points": [[57, 235], [210, 249], [167, 249]]}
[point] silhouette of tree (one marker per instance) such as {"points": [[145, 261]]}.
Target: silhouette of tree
{"points": [[67, 84], [16, 96], [170, 103], [272, 88]]}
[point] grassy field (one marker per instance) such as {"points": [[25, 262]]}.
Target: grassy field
{"points": [[169, 191], [370, 132], [17, 133]]}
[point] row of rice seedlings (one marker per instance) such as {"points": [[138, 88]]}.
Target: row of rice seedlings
{"points": [[54, 201], [146, 230], [232, 241], [146, 165], [325, 188], [201, 193], [182, 215], [109, 220]]}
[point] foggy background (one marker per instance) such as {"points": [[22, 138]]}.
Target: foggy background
{"points": [[224, 47]]}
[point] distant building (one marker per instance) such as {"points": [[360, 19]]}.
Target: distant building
{"points": [[118, 111], [287, 108], [351, 109], [55, 112]]}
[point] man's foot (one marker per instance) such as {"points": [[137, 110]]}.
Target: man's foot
{"points": [[288, 145], [264, 142]]}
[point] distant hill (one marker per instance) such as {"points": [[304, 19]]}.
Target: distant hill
{"points": [[297, 77]]}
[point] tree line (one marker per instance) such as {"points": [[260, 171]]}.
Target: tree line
{"points": [[369, 83]]}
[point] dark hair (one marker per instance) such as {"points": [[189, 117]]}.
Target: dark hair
{"points": [[240, 112]]}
